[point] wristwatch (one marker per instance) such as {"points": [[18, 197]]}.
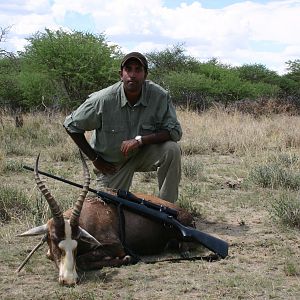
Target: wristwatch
{"points": [[139, 139]]}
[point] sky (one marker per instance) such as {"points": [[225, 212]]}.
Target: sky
{"points": [[232, 31]]}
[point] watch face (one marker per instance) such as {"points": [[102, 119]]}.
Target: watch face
{"points": [[138, 138]]}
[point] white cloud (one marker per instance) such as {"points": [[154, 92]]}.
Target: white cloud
{"points": [[27, 27], [244, 32]]}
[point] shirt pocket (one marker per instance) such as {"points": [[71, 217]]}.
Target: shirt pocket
{"points": [[114, 134], [114, 128]]}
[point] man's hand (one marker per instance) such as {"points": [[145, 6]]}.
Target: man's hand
{"points": [[104, 166], [128, 146]]}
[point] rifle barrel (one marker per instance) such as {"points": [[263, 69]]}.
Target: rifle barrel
{"points": [[121, 193], [60, 179]]}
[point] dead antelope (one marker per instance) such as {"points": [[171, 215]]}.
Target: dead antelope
{"points": [[88, 236]]}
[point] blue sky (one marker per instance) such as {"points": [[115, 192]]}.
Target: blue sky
{"points": [[234, 32]]}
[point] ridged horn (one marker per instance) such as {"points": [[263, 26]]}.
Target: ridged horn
{"points": [[54, 207], [74, 219]]}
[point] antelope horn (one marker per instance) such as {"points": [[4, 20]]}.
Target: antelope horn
{"points": [[43, 240], [74, 219], [54, 207]]}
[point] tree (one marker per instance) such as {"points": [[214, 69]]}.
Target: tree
{"points": [[189, 89], [293, 66], [291, 81], [214, 82], [63, 68], [173, 59], [10, 93], [256, 73], [3, 33]]}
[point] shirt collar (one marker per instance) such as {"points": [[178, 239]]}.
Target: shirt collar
{"points": [[143, 101]]}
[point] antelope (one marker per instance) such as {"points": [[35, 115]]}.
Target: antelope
{"points": [[88, 236]]}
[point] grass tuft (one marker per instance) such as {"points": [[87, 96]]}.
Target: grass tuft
{"points": [[286, 210], [291, 268], [274, 176], [187, 199], [192, 168], [13, 203], [13, 166]]}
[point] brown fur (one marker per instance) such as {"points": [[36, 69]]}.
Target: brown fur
{"points": [[143, 235]]}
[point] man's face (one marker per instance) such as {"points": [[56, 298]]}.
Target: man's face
{"points": [[133, 76]]}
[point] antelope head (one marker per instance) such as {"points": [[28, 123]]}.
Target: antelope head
{"points": [[62, 234]]}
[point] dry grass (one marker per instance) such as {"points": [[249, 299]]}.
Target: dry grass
{"points": [[228, 133], [221, 151]]}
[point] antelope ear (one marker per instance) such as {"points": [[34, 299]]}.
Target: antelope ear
{"points": [[43, 229], [86, 237]]}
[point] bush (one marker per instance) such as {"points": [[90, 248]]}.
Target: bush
{"points": [[286, 210], [62, 68], [274, 176], [189, 90], [199, 91], [192, 168], [10, 91]]}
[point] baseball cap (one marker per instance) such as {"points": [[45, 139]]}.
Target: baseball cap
{"points": [[136, 55]]}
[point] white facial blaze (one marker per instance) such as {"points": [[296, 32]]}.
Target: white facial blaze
{"points": [[67, 268]]}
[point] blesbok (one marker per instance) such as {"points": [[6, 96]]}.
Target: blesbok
{"points": [[88, 236]]}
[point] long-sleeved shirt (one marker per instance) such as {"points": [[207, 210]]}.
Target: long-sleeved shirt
{"points": [[113, 120]]}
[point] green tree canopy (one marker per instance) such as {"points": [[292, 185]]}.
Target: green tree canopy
{"points": [[163, 62], [65, 67], [257, 73], [10, 94]]}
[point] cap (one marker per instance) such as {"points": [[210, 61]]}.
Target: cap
{"points": [[137, 55]]}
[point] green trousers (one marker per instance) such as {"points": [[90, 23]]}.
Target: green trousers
{"points": [[165, 158]]}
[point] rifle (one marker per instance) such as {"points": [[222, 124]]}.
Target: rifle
{"points": [[159, 213]]}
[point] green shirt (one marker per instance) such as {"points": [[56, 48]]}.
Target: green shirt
{"points": [[114, 120]]}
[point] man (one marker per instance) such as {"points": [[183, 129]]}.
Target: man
{"points": [[135, 130]]}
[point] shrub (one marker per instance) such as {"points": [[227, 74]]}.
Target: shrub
{"points": [[188, 199], [62, 68], [286, 210], [192, 168], [275, 176]]}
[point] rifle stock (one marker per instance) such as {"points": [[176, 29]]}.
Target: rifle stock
{"points": [[212, 243]]}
